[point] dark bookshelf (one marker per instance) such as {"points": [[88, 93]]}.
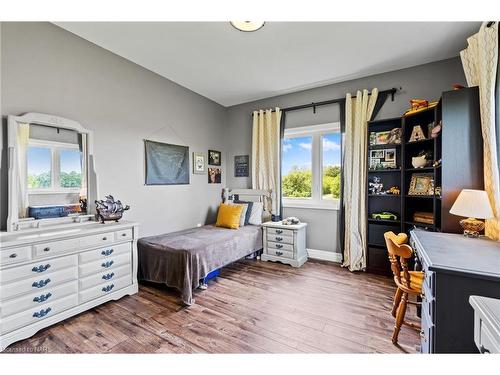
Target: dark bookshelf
{"points": [[458, 145]]}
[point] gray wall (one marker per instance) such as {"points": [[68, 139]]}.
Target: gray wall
{"points": [[47, 69], [424, 81]]}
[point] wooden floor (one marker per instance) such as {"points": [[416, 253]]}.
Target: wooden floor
{"points": [[253, 307]]}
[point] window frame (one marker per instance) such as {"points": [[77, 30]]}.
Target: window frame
{"points": [[316, 200], [55, 165]]}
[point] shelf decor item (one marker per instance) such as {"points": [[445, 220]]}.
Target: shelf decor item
{"points": [[421, 184], [417, 134], [473, 204], [423, 217], [395, 136], [375, 186]]}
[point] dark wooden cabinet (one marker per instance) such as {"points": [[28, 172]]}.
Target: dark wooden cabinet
{"points": [[458, 146]]}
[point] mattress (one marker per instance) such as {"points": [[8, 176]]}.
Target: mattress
{"points": [[181, 259]]}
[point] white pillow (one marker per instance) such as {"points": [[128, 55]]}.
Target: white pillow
{"points": [[256, 215], [243, 212]]}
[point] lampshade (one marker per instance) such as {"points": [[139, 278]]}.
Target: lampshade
{"points": [[472, 203], [247, 25]]}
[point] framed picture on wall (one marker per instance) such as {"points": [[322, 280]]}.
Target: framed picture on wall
{"points": [[214, 157], [214, 175], [241, 163], [199, 163]]}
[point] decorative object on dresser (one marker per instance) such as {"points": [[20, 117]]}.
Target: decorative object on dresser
{"points": [[214, 157], [285, 243], [473, 204], [455, 267], [407, 282], [54, 268], [486, 324], [241, 165], [449, 171], [166, 164], [199, 163], [109, 209]]}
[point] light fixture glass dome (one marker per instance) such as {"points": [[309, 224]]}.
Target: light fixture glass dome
{"points": [[247, 26]]}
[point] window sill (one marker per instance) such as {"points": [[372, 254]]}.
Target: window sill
{"points": [[333, 206]]}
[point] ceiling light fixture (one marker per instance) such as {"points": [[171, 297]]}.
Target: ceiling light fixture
{"points": [[247, 26]]}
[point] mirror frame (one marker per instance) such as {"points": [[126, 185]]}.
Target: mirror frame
{"points": [[14, 223]]}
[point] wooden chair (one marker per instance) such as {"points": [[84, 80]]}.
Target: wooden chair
{"points": [[407, 282]]}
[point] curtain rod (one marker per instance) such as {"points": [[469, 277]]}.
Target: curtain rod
{"points": [[332, 101]]}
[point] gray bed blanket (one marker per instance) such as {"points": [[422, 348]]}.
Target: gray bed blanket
{"points": [[181, 259]]}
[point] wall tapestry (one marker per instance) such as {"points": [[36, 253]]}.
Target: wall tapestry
{"points": [[166, 164]]}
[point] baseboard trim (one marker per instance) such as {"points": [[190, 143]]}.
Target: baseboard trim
{"points": [[325, 255]]}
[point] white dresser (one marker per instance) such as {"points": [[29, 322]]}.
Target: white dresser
{"points": [[47, 275], [285, 243]]}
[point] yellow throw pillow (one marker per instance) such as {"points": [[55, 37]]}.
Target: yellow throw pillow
{"points": [[229, 216]]}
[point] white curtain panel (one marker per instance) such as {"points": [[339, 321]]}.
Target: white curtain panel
{"points": [[358, 112], [266, 163], [480, 61], [23, 137]]}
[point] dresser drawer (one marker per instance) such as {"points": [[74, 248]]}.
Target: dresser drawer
{"points": [[42, 267], [39, 283], [280, 238], [104, 276], [429, 280], [428, 305], [97, 240], [280, 253], [36, 299], [51, 248], [104, 288], [279, 246], [279, 232], [38, 313], [104, 264], [488, 342], [14, 255], [123, 235], [104, 252], [426, 334]]}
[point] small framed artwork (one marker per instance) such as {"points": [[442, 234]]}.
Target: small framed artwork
{"points": [[214, 175], [214, 157], [390, 157], [421, 184], [374, 163], [199, 163], [377, 154], [241, 165], [382, 138]]}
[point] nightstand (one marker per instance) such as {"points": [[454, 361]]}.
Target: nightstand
{"points": [[284, 243]]}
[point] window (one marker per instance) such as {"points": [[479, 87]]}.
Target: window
{"points": [[54, 167], [311, 166]]}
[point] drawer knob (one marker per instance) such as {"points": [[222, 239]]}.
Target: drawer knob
{"points": [[124, 234], [108, 288], [46, 249], [41, 268], [104, 238], [279, 246], [14, 255], [42, 298], [108, 276], [483, 350], [40, 284], [41, 313], [279, 238], [279, 231], [107, 252], [279, 253], [107, 264]]}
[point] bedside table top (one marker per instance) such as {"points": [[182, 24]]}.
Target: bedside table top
{"points": [[278, 224]]}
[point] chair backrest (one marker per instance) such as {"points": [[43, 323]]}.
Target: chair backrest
{"points": [[399, 253]]}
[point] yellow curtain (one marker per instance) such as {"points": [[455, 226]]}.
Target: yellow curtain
{"points": [[266, 163], [358, 112], [480, 61]]}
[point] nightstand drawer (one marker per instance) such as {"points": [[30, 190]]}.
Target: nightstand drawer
{"points": [[280, 238], [279, 246], [280, 253], [279, 232]]}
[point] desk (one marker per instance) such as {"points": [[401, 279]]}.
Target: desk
{"points": [[455, 268]]}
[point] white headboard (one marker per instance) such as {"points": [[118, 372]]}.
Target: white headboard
{"points": [[252, 195]]}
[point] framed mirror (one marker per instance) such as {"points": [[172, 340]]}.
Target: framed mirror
{"points": [[51, 171]]}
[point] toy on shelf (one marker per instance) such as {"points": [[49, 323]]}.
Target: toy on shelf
{"points": [[375, 186], [423, 159], [393, 190], [384, 215], [419, 105]]}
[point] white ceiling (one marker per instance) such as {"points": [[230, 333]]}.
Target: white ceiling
{"points": [[232, 67]]}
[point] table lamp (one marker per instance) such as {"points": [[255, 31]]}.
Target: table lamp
{"points": [[473, 204]]}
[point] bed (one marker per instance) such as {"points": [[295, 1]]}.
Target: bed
{"points": [[181, 259]]}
